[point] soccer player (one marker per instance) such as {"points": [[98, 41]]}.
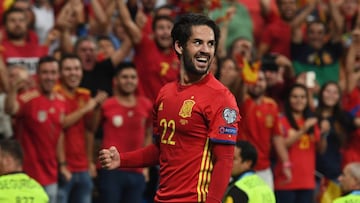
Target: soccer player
{"points": [[126, 124], [39, 116], [247, 186], [350, 183], [195, 123], [16, 186], [75, 183]]}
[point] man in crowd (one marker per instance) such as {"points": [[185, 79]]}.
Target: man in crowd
{"points": [[350, 183], [16, 185], [39, 115], [246, 185]]}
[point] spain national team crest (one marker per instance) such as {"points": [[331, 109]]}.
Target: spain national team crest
{"points": [[42, 116], [186, 109], [117, 120], [269, 121], [229, 115]]}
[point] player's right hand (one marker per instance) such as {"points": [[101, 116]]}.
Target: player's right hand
{"points": [[109, 158]]}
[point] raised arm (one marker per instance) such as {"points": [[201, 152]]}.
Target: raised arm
{"points": [[301, 17], [132, 29]]}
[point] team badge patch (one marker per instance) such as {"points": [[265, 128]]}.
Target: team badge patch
{"points": [[269, 121], [186, 108], [227, 130], [42, 116], [117, 120], [229, 115]]}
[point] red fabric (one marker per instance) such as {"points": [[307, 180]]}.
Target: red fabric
{"points": [[144, 157], [259, 124], [351, 103], [302, 157], [38, 127], [187, 123], [278, 43], [125, 127], [28, 54], [258, 20], [155, 68], [75, 143], [223, 158]]}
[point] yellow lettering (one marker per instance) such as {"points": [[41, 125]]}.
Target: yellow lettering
{"points": [[167, 124]]}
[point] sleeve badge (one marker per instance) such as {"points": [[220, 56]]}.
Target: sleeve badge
{"points": [[229, 115]]}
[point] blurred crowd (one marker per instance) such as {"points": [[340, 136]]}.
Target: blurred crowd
{"points": [[292, 65]]}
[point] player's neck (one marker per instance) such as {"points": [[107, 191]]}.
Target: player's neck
{"points": [[126, 100], [187, 78]]}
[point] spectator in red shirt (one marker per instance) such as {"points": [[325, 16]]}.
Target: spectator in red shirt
{"points": [[260, 126], [274, 42], [39, 115], [75, 183], [159, 67], [302, 138], [16, 46], [126, 122]]}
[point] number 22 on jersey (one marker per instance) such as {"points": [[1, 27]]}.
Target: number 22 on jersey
{"points": [[168, 131]]}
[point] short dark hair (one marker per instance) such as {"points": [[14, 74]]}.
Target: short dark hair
{"points": [[81, 40], [318, 22], [12, 148], [157, 18], [248, 152], [46, 59], [182, 28], [122, 66], [68, 56], [10, 11]]}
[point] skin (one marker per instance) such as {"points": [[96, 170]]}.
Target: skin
{"points": [[16, 27], [106, 47], [287, 9], [347, 180], [198, 54], [298, 100], [71, 73], [239, 165], [162, 34], [87, 53], [48, 75], [331, 95], [126, 81], [228, 72], [316, 34], [258, 89]]}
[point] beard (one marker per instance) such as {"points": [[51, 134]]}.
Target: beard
{"points": [[256, 93], [15, 35], [190, 66]]}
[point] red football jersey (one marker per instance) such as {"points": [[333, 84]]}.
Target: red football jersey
{"points": [[27, 55], [351, 104], [38, 128], [302, 157], [188, 121], [279, 44], [125, 127], [75, 143], [259, 124], [155, 68]]}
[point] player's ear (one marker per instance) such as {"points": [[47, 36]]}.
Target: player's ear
{"points": [[178, 48]]}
